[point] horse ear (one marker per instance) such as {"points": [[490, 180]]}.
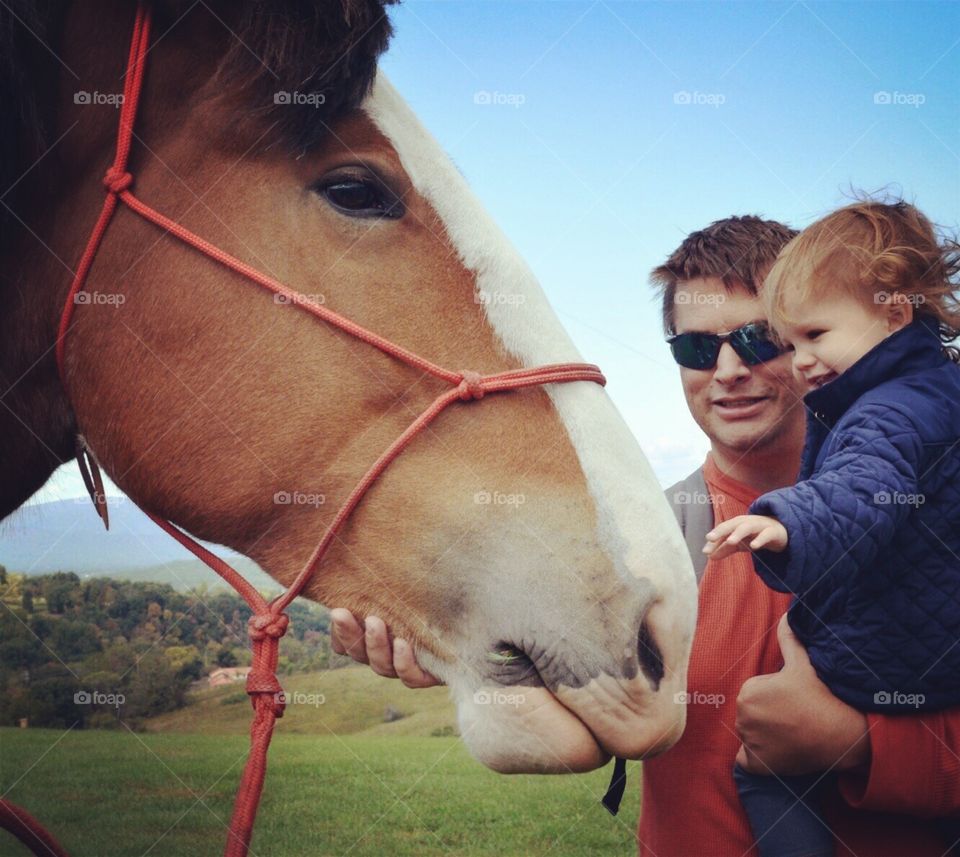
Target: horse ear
{"points": [[299, 64]]}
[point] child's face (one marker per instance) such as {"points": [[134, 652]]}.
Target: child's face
{"points": [[828, 335]]}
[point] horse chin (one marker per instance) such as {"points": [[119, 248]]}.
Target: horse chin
{"points": [[626, 721], [537, 730], [526, 730]]}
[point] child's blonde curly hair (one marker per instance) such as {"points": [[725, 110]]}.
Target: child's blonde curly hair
{"points": [[879, 252]]}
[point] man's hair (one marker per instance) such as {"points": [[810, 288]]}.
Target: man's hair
{"points": [[876, 252], [739, 251]]}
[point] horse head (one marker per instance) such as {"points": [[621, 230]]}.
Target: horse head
{"points": [[522, 543]]}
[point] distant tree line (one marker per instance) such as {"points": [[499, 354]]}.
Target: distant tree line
{"points": [[104, 652]]}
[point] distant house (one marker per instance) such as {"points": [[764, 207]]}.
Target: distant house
{"points": [[227, 675]]}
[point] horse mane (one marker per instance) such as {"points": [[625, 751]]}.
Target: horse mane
{"points": [[327, 49], [26, 82]]}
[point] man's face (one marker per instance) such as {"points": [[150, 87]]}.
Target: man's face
{"points": [[741, 408]]}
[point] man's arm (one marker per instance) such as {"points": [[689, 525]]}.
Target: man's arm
{"points": [[790, 723], [914, 767]]}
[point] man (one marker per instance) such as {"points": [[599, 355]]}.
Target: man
{"points": [[892, 771]]}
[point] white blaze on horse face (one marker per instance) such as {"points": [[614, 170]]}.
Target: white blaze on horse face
{"points": [[636, 528]]}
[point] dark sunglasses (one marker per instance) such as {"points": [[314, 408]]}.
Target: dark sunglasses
{"points": [[752, 343]]}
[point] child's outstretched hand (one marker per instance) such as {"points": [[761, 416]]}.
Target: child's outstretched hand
{"points": [[746, 532]]}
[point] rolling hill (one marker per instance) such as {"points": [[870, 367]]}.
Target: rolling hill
{"points": [[66, 535]]}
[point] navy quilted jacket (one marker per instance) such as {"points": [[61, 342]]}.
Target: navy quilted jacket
{"points": [[874, 528]]}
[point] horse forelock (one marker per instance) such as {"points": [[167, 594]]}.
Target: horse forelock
{"points": [[319, 56]]}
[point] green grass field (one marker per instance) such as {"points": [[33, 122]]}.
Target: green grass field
{"points": [[341, 702], [340, 782]]}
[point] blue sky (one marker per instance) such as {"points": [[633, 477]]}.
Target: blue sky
{"points": [[622, 126], [615, 128]]}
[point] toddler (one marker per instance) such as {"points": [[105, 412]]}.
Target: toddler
{"points": [[868, 540]]}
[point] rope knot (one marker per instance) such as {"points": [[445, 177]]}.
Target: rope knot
{"points": [[264, 688], [267, 625], [116, 180], [471, 386]]}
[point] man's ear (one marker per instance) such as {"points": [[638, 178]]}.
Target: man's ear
{"points": [[899, 312]]}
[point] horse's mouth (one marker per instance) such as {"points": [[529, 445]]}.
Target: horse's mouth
{"points": [[511, 666], [531, 665], [535, 715]]}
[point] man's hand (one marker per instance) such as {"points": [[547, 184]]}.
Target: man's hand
{"points": [[746, 532], [790, 723], [369, 643]]}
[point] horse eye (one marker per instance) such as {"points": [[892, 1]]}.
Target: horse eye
{"points": [[357, 198]]}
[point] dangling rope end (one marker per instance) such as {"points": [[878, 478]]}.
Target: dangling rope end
{"points": [[90, 471], [618, 783]]}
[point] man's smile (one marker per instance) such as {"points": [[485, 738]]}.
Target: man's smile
{"points": [[739, 407]]}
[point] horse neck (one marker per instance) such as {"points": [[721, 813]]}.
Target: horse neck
{"points": [[56, 203], [36, 422], [36, 258]]}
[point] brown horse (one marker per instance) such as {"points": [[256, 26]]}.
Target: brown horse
{"points": [[530, 524]]}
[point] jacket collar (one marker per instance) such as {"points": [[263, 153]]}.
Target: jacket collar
{"points": [[913, 348]]}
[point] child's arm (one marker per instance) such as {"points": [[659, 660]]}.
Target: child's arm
{"points": [[840, 520], [745, 532]]}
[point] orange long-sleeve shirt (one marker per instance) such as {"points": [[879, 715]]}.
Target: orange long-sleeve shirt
{"points": [[690, 804]]}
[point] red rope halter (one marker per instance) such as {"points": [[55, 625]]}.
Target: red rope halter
{"points": [[268, 623]]}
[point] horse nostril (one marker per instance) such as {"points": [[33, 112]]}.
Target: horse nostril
{"points": [[648, 653]]}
